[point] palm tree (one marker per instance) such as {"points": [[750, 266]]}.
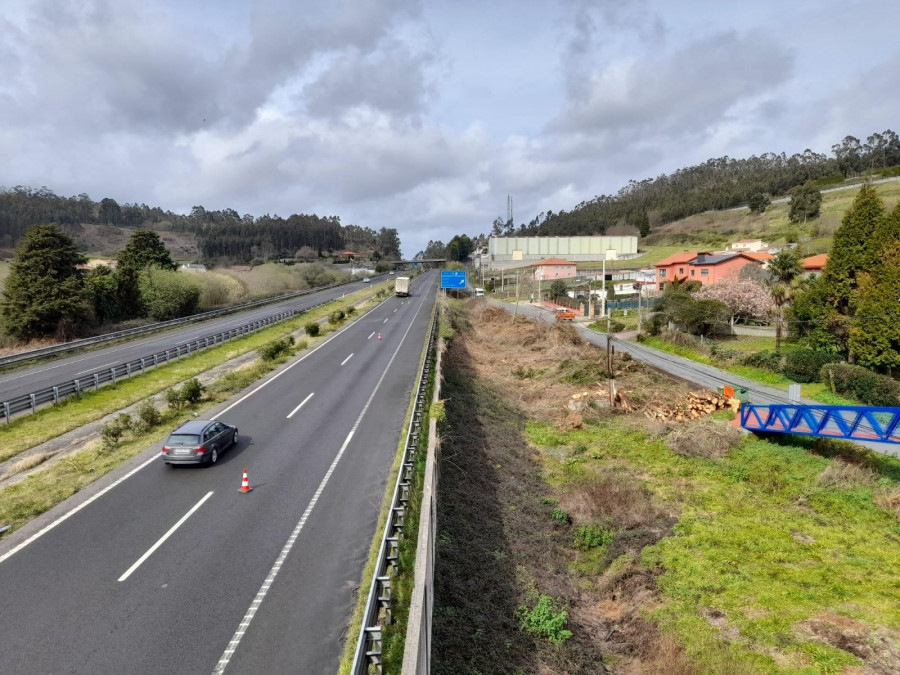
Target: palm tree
{"points": [[784, 272]]}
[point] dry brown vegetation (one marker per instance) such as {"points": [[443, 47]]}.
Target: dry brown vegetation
{"points": [[506, 534]]}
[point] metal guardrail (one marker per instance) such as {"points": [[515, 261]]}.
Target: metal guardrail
{"points": [[93, 381], [378, 604], [852, 423], [417, 648], [152, 328]]}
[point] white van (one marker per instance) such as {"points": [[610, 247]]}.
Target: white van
{"points": [[479, 292]]}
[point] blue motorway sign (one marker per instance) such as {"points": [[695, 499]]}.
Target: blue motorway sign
{"points": [[453, 279]]}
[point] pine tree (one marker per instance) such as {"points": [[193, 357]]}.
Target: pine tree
{"points": [[875, 335], [144, 249], [44, 291], [853, 250]]}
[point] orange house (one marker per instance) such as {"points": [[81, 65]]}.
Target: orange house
{"points": [[814, 265], [703, 266]]}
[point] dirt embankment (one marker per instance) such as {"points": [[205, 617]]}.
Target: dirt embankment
{"points": [[505, 533]]}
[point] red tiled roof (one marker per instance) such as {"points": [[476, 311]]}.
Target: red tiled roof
{"points": [[815, 262], [676, 258], [759, 255], [552, 261]]}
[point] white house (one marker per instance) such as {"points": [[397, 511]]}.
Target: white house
{"points": [[749, 245]]}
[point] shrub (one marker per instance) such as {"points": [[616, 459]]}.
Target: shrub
{"points": [[149, 415], [168, 295], [174, 399], [192, 391], [301, 345], [272, 350], [545, 620], [312, 329], [526, 373], [336, 317], [860, 383], [616, 326], [763, 359], [111, 432], [805, 365], [592, 536], [560, 515], [349, 310]]}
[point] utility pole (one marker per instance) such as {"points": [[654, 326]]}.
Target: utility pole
{"points": [[639, 287]]}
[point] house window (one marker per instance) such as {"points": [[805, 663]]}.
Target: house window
{"points": [[704, 273], [662, 274], [680, 270], [692, 272], [661, 287]]}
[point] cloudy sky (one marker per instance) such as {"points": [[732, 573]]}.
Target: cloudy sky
{"points": [[424, 115]]}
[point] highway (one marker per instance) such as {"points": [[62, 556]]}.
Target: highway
{"points": [[22, 381], [168, 570]]}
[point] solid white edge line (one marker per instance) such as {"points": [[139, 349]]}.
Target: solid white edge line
{"points": [[267, 584], [155, 457], [78, 508], [162, 540], [301, 405], [347, 359]]}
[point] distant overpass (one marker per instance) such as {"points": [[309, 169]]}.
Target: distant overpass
{"points": [[424, 262]]}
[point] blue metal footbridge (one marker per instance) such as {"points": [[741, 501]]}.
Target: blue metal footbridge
{"points": [[846, 422]]}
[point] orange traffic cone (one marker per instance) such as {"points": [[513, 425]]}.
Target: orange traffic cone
{"points": [[379, 336], [245, 483]]}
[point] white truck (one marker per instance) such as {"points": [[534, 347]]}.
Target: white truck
{"points": [[401, 287]]}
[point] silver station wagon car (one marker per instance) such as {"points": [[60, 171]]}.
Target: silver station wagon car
{"points": [[198, 442]]}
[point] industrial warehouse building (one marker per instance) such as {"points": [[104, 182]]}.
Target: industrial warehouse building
{"points": [[508, 252]]}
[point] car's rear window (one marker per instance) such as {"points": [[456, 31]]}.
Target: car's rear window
{"points": [[183, 439]]}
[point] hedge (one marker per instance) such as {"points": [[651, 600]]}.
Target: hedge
{"points": [[805, 365], [864, 385]]}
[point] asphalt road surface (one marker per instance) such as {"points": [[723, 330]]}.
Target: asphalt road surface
{"points": [[168, 570], [21, 381]]}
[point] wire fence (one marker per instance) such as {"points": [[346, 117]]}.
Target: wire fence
{"points": [[379, 602]]}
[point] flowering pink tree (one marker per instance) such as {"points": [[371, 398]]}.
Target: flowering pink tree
{"points": [[745, 298]]}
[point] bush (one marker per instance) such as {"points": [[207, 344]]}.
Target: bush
{"points": [[763, 359], [272, 350], [336, 317], [192, 391], [312, 329], [805, 365], [173, 399], [112, 432], [592, 536], [860, 383], [349, 310], [168, 295], [149, 415], [544, 620]]}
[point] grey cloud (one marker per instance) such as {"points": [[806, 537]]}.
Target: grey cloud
{"points": [[392, 80], [123, 65], [685, 93]]}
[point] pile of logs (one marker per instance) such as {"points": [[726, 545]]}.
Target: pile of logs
{"points": [[696, 404]]}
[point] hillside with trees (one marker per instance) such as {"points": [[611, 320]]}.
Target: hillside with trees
{"points": [[223, 236], [719, 183]]}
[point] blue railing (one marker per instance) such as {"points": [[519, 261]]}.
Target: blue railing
{"points": [[855, 423]]}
